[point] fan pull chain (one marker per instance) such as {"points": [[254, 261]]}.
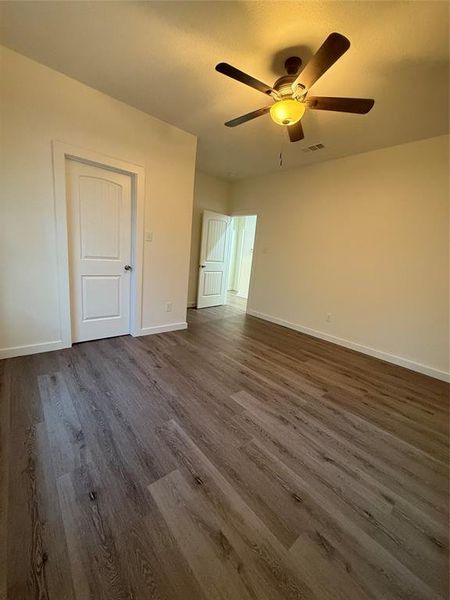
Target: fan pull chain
{"points": [[281, 133]]}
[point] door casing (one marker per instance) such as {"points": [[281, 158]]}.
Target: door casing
{"points": [[62, 152]]}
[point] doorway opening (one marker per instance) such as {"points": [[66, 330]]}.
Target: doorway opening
{"points": [[243, 230], [226, 253]]}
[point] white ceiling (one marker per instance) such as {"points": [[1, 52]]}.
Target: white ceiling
{"points": [[160, 58]]}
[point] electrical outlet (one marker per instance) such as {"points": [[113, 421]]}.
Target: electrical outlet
{"points": [[328, 317], [168, 306]]}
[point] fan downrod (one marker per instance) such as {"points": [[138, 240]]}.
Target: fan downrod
{"points": [[292, 65]]}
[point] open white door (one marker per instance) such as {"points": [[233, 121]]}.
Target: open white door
{"points": [[99, 228], [214, 258]]}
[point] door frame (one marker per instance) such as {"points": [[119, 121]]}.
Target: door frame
{"points": [[62, 152]]}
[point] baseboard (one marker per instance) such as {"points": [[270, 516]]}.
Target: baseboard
{"points": [[392, 358], [31, 349], [59, 344], [191, 304], [162, 328]]}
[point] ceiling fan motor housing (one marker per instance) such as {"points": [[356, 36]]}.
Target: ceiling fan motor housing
{"points": [[283, 86]]}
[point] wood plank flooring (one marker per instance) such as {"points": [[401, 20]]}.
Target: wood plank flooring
{"points": [[237, 460], [236, 301]]}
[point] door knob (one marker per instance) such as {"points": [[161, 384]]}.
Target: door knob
{"points": [[128, 268], [202, 266]]}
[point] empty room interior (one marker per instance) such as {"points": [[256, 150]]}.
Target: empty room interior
{"points": [[224, 300]]}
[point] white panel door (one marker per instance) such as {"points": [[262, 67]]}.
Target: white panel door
{"points": [[99, 228], [214, 258]]}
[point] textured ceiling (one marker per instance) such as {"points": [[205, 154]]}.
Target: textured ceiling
{"points": [[160, 58]]}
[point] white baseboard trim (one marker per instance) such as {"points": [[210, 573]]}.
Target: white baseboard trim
{"points": [[162, 328], [191, 304], [392, 358], [59, 344], [31, 349]]}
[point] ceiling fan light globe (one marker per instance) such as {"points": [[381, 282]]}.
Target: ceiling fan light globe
{"points": [[287, 111]]}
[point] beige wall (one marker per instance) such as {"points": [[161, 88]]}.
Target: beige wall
{"points": [[39, 105], [210, 193], [364, 238]]}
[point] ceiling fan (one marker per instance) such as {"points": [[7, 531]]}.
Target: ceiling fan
{"points": [[290, 93]]}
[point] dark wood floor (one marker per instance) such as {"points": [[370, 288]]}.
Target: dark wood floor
{"points": [[236, 460]]}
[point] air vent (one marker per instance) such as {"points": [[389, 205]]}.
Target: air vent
{"points": [[313, 148]]}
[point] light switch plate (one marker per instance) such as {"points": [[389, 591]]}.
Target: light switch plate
{"points": [[149, 236]]}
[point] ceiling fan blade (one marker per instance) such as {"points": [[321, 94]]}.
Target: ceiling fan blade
{"points": [[333, 48], [234, 73], [296, 132], [248, 117], [350, 105]]}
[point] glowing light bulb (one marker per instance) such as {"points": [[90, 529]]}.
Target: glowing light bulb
{"points": [[287, 111]]}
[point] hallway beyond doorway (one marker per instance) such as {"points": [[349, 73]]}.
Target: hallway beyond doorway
{"points": [[236, 301], [243, 229]]}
